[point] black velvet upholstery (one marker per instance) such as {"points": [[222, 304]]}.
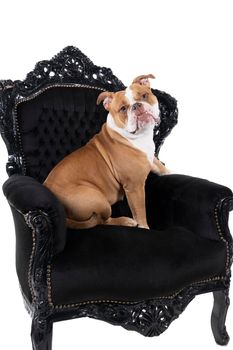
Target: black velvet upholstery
{"points": [[121, 263], [180, 200], [131, 264], [55, 123]]}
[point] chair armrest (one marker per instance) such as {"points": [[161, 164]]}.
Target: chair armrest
{"points": [[180, 200], [25, 194]]}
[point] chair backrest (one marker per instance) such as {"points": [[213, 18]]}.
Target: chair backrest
{"points": [[53, 111]]}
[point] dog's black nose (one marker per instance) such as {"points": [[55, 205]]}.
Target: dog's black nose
{"points": [[136, 106]]}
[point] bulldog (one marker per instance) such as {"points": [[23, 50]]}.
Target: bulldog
{"points": [[114, 163]]}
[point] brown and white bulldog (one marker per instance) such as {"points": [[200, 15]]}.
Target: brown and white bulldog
{"points": [[114, 163]]}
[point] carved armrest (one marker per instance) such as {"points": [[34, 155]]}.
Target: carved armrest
{"points": [[197, 204], [37, 204]]}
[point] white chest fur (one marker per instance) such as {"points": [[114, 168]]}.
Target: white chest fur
{"points": [[143, 140]]}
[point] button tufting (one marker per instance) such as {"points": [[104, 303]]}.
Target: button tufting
{"points": [[47, 153], [35, 132]]}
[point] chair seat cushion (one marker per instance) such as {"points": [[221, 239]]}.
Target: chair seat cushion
{"points": [[131, 264]]}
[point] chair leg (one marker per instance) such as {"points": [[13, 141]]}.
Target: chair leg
{"points": [[218, 317], [41, 334]]}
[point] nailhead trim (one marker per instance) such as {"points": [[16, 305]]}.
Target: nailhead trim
{"points": [[71, 85], [30, 264], [221, 235], [132, 302], [95, 302], [49, 286]]}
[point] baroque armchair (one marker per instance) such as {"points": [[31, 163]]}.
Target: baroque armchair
{"points": [[139, 279]]}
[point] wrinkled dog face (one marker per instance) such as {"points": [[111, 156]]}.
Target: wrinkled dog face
{"points": [[134, 109], [142, 108]]}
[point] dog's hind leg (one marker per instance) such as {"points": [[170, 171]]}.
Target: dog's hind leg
{"points": [[85, 207], [91, 222]]}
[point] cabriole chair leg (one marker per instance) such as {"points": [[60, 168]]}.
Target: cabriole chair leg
{"points": [[41, 334], [218, 317]]}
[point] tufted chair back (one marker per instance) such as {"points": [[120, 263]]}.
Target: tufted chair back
{"points": [[56, 122]]}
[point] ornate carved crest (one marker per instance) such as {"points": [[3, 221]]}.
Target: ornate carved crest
{"points": [[68, 66]]}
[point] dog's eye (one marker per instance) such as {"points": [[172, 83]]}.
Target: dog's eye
{"points": [[123, 109], [144, 96]]}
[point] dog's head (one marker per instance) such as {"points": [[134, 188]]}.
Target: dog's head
{"points": [[135, 108]]}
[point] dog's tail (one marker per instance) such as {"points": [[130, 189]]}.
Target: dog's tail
{"points": [[91, 222]]}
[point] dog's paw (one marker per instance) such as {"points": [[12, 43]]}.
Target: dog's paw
{"points": [[167, 172], [130, 222], [144, 226], [122, 221]]}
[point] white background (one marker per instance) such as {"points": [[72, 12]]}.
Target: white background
{"points": [[188, 46]]}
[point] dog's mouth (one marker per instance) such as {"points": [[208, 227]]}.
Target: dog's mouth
{"points": [[144, 120], [134, 132]]}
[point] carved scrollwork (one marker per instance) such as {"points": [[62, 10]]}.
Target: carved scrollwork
{"points": [[224, 207], [222, 215], [41, 227], [169, 118], [153, 318], [40, 224], [5, 95], [36, 220], [149, 318], [6, 125], [6, 84], [68, 66]]}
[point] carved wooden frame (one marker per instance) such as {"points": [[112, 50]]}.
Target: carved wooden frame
{"points": [[149, 317]]}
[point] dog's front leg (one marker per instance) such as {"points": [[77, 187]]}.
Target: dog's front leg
{"points": [[136, 200]]}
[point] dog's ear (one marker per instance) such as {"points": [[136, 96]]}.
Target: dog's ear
{"points": [[143, 79], [107, 97]]}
